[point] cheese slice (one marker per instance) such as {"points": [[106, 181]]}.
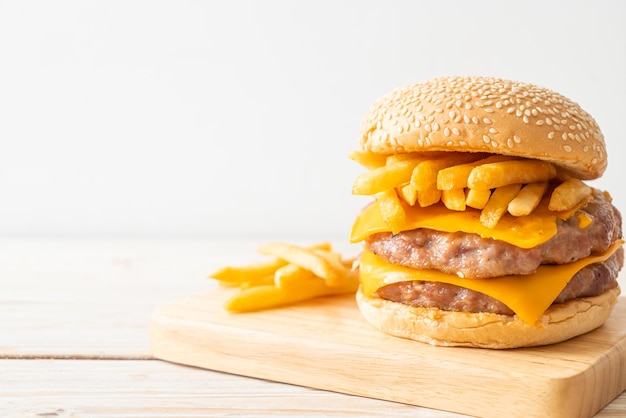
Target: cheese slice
{"points": [[523, 231], [528, 296]]}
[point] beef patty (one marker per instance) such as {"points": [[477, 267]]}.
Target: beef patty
{"points": [[469, 255], [592, 280]]}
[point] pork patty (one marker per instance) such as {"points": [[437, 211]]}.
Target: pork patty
{"points": [[592, 280], [469, 255]]}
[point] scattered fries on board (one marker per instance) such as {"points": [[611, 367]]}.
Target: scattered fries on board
{"points": [[294, 274], [494, 184]]}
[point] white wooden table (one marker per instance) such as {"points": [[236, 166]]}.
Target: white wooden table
{"points": [[74, 317]]}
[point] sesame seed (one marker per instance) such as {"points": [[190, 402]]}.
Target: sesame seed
{"points": [[486, 139], [494, 144], [487, 121], [456, 131], [509, 143], [493, 130], [567, 148], [446, 132], [475, 119], [525, 119], [517, 139]]}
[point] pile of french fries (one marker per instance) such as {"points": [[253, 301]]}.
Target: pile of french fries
{"points": [[494, 184], [294, 274]]}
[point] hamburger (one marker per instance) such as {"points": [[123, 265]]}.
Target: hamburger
{"points": [[482, 231]]}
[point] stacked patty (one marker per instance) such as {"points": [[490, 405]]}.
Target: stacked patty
{"points": [[470, 256]]}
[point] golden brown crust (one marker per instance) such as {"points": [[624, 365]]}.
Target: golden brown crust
{"points": [[486, 330], [482, 114]]}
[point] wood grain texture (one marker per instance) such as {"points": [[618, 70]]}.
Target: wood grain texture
{"points": [[92, 298], [151, 388], [325, 344]]}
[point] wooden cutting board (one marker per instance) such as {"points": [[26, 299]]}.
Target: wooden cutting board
{"points": [[325, 344]]}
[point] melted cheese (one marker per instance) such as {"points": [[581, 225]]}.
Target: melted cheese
{"points": [[528, 296], [523, 231]]}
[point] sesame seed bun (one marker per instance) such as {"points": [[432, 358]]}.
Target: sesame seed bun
{"points": [[482, 114], [487, 330]]}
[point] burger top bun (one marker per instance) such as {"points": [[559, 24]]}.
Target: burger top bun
{"points": [[482, 114]]}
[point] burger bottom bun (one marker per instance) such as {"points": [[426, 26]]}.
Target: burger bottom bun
{"points": [[487, 330]]}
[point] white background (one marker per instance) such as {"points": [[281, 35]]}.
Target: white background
{"points": [[235, 118]]}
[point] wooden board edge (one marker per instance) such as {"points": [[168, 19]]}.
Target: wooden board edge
{"points": [[558, 397]]}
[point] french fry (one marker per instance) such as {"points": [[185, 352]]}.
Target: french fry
{"points": [[299, 273], [497, 204], [302, 257], [290, 276], [383, 178], [368, 160], [568, 194], [391, 210], [456, 177], [269, 296], [527, 199], [493, 175], [424, 175], [477, 199], [258, 281], [411, 156], [428, 197], [454, 199], [337, 263], [408, 193], [255, 271]]}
